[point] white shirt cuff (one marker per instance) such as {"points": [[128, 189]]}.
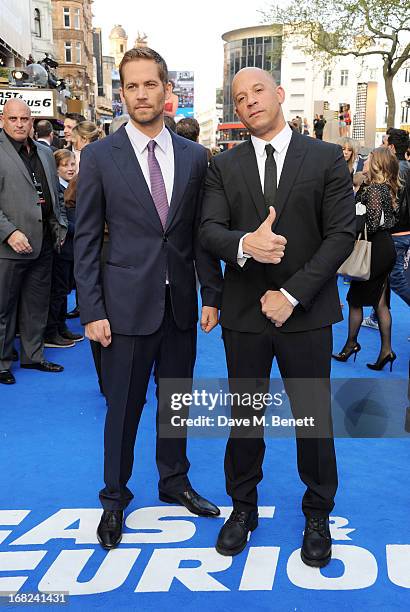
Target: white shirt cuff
{"points": [[241, 257], [289, 297]]}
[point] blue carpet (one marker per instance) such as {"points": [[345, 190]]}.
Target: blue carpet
{"points": [[51, 456]]}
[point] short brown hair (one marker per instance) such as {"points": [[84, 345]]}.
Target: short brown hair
{"points": [[145, 53], [61, 155], [188, 127]]}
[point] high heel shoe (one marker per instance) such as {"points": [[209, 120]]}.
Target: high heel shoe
{"points": [[344, 355], [380, 363]]}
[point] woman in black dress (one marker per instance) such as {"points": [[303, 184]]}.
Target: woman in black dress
{"points": [[381, 172]]}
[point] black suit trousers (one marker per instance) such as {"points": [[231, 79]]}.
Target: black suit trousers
{"points": [[126, 366], [61, 282], [25, 295], [300, 355]]}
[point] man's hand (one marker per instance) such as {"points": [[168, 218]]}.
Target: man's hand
{"points": [[263, 245], [99, 331], [209, 318], [276, 307], [19, 243]]}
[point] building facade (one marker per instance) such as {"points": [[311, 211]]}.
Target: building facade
{"points": [[254, 46], [73, 37], [312, 89], [118, 43], [208, 123], [42, 41], [15, 33]]}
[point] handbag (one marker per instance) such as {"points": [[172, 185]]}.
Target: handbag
{"points": [[357, 265]]}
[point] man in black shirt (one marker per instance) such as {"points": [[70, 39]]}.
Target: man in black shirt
{"points": [[31, 224]]}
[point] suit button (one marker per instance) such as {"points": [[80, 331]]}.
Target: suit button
{"points": [[40, 220]]}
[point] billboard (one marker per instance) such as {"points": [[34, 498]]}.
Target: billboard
{"points": [[42, 102], [15, 25], [183, 81]]}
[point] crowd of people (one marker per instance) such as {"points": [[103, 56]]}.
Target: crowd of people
{"points": [[137, 220], [381, 182], [45, 271], [382, 192]]}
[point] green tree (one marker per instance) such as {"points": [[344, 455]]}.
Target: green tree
{"points": [[332, 28]]}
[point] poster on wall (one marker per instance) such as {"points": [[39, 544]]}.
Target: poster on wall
{"points": [[183, 87]]}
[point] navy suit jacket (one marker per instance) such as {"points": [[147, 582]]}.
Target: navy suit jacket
{"points": [[129, 289]]}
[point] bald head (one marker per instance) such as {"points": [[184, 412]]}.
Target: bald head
{"points": [[16, 106], [252, 72], [17, 120], [258, 101]]}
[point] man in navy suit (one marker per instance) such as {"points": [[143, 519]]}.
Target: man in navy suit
{"points": [[145, 183]]}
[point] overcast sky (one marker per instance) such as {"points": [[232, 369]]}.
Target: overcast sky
{"points": [[187, 34]]}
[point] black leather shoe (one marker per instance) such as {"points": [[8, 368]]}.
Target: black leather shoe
{"points": [[43, 366], [69, 335], [6, 377], [109, 531], [73, 314], [317, 542], [193, 501], [234, 535]]}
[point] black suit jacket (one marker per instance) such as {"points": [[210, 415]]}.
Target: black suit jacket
{"points": [[315, 211], [129, 289]]}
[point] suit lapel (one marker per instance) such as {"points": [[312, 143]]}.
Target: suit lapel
{"points": [[293, 160], [182, 172], [127, 163], [250, 173], [12, 153]]}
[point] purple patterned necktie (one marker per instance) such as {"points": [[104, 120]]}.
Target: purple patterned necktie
{"points": [[158, 191]]}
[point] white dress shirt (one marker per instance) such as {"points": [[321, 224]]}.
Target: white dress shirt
{"points": [[164, 152], [280, 143]]}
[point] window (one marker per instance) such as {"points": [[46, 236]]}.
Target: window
{"points": [[327, 81], [37, 23], [121, 48], [66, 14], [78, 53], [77, 19], [344, 77], [407, 75], [405, 114], [68, 53]]}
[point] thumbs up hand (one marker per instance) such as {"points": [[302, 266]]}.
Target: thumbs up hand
{"points": [[264, 245]]}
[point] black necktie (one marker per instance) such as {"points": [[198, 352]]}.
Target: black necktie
{"points": [[270, 187]]}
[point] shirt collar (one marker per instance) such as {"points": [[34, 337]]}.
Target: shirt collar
{"points": [[279, 142], [21, 145], [63, 182], [140, 140]]}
